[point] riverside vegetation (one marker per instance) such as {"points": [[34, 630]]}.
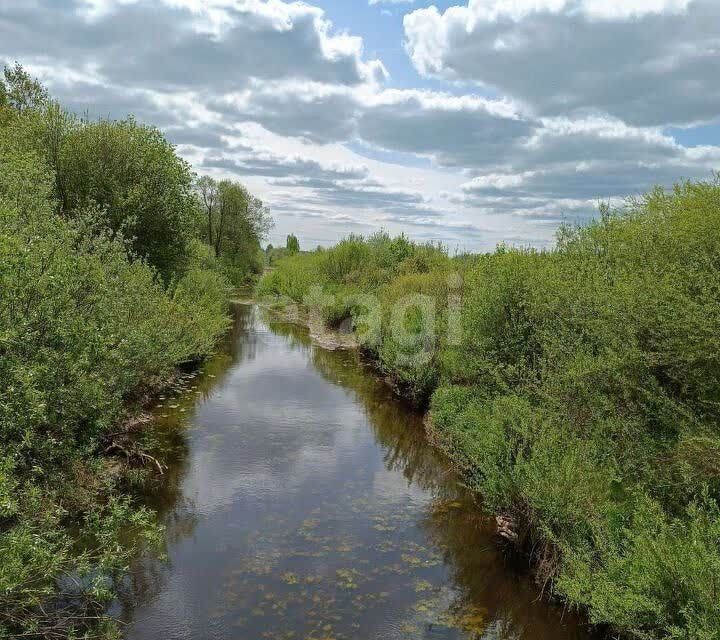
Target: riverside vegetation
{"points": [[115, 266], [577, 388]]}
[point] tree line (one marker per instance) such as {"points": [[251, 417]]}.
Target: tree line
{"points": [[131, 174]]}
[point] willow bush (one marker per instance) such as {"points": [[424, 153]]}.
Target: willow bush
{"points": [[580, 395], [88, 322]]}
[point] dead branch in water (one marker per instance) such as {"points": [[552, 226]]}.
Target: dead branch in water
{"points": [[134, 454]]}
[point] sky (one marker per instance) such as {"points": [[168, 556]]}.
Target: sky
{"points": [[468, 123]]}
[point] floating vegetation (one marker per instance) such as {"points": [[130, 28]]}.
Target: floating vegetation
{"points": [[341, 551], [347, 578], [422, 585]]}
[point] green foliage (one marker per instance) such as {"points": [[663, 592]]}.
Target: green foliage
{"points": [[292, 244], [609, 345], [360, 280], [42, 566], [20, 91], [578, 391], [86, 327], [132, 174], [415, 333], [273, 254], [83, 327], [660, 579], [235, 224], [292, 277], [81, 330]]}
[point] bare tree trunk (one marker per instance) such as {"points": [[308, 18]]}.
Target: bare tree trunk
{"points": [[221, 222]]}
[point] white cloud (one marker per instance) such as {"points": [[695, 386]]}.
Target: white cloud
{"points": [[454, 130], [270, 93], [647, 62], [516, 10], [182, 44], [614, 9]]}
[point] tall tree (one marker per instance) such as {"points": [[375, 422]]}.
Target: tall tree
{"points": [[20, 90], [208, 194], [132, 173], [40, 122], [292, 244], [236, 224]]}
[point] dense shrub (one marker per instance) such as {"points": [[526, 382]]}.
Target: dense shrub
{"points": [[361, 280], [86, 325], [83, 327], [581, 395], [609, 344], [131, 172]]}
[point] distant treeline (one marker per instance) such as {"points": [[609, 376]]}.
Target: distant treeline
{"points": [[577, 388], [115, 266]]}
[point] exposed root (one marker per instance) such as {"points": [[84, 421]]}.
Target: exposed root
{"points": [[546, 564], [507, 528], [134, 455]]}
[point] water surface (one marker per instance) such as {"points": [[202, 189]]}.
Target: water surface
{"points": [[304, 502]]}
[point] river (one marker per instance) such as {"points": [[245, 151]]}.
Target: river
{"points": [[302, 501]]}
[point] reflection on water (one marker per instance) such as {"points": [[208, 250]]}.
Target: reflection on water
{"points": [[302, 501]]}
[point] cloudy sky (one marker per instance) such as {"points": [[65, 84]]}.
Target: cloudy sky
{"points": [[472, 124]]}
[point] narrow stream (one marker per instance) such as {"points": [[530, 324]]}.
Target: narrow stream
{"points": [[304, 502]]}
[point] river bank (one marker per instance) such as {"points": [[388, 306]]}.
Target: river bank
{"points": [[512, 533], [109, 285], [301, 497], [575, 387]]}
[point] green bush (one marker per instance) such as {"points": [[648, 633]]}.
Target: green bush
{"points": [[583, 399], [360, 280], [410, 342], [82, 328], [86, 327], [657, 579], [580, 393], [131, 172]]}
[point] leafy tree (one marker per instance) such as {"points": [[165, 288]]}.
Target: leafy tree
{"points": [[37, 122], [236, 224], [56, 125], [209, 196], [131, 172], [292, 244], [21, 91]]}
